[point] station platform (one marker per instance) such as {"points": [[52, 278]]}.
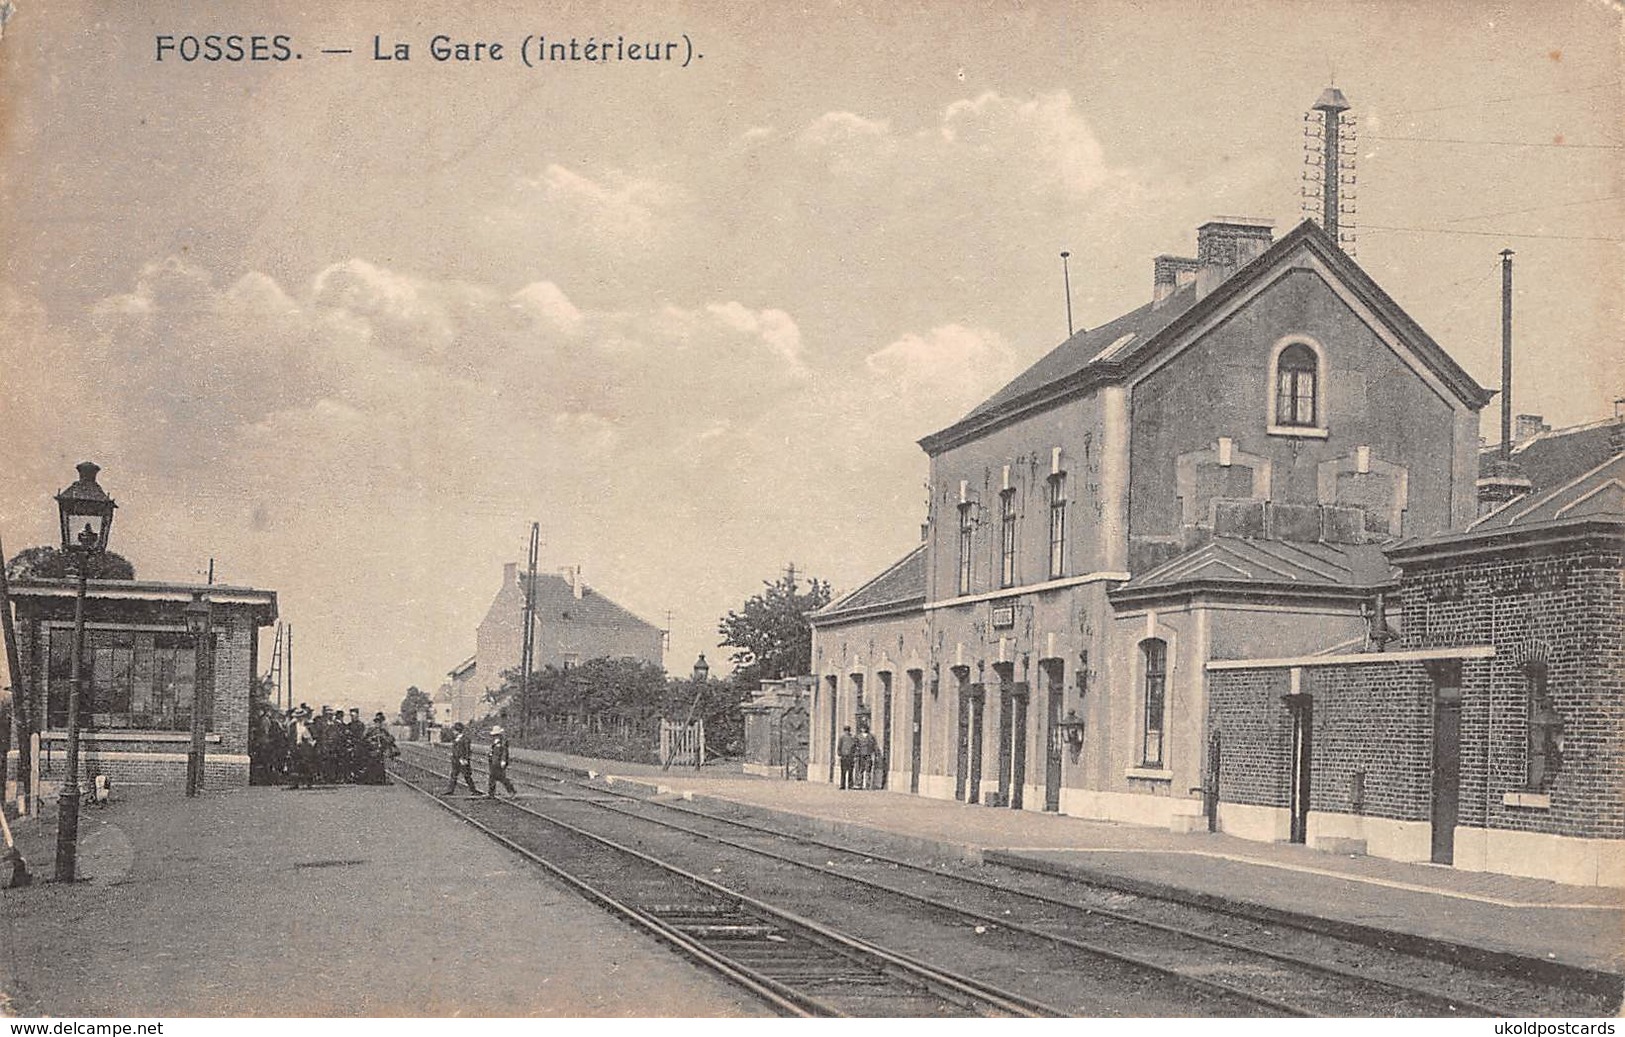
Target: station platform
{"points": [[1467, 913], [348, 901]]}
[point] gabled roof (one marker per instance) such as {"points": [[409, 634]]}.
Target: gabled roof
{"points": [[463, 669], [1106, 354], [1599, 493], [1557, 456], [1589, 504], [555, 597], [899, 587], [1244, 564]]}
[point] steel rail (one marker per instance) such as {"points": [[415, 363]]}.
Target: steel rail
{"points": [[934, 979], [1451, 1005], [769, 990]]}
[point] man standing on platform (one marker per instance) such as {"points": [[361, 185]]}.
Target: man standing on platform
{"points": [[497, 765], [462, 760], [846, 748], [866, 757]]}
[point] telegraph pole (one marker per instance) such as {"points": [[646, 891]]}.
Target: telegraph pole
{"points": [[527, 652]]}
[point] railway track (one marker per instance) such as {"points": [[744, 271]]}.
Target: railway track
{"points": [[796, 965], [1280, 970]]}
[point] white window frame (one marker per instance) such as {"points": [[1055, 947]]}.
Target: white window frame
{"points": [[1320, 429]]}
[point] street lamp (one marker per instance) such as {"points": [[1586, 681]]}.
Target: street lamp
{"points": [[198, 624], [702, 669], [87, 519]]}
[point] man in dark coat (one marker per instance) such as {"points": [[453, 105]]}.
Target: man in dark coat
{"points": [[462, 760], [355, 746], [497, 764], [846, 749], [330, 746]]}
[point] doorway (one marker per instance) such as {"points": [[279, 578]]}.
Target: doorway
{"points": [[915, 677], [1055, 745], [1302, 707], [1446, 676]]}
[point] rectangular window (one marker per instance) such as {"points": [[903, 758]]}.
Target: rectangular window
{"points": [[1007, 538], [1156, 684], [1057, 525], [141, 680], [964, 548]]}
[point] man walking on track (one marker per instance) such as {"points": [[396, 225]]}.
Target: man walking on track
{"points": [[462, 760], [497, 765]]}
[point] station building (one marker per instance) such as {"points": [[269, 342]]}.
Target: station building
{"points": [[1211, 476], [1491, 736], [140, 680]]}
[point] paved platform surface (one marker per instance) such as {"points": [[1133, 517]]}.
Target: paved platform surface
{"points": [[348, 901], [1577, 925]]}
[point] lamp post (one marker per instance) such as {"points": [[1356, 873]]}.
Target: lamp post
{"points": [[199, 625], [87, 519]]}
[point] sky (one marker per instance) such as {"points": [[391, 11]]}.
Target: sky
{"points": [[348, 326]]}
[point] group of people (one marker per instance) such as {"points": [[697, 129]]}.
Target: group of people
{"points": [[862, 764], [497, 757], [304, 747]]}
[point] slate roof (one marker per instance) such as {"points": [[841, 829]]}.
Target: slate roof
{"points": [[553, 597], [900, 586], [1241, 563], [1596, 494], [1553, 458], [1106, 354]]}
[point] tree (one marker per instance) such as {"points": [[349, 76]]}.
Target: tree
{"points": [[631, 688], [49, 563], [770, 634], [415, 706]]}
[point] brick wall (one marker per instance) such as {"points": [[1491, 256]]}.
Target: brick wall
{"points": [[1566, 607]]}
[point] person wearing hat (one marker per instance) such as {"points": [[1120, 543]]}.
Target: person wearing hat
{"points": [[302, 749], [496, 764], [355, 747], [380, 746], [462, 760]]}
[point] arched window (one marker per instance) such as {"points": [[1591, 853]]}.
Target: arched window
{"points": [[1155, 652], [1296, 378]]}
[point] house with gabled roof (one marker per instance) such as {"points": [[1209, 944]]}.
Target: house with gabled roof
{"points": [[573, 623], [1211, 475]]}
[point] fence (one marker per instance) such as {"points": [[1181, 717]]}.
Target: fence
{"points": [[682, 744]]}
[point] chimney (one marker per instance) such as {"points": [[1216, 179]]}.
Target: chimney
{"points": [[510, 573], [1616, 434], [1168, 275], [574, 574], [1225, 245], [1527, 427]]}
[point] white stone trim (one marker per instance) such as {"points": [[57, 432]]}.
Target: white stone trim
{"points": [[1298, 431], [1151, 773], [1558, 858], [1528, 800], [1412, 655], [126, 736], [1031, 588]]}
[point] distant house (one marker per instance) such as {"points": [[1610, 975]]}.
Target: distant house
{"points": [[459, 698], [574, 623]]}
